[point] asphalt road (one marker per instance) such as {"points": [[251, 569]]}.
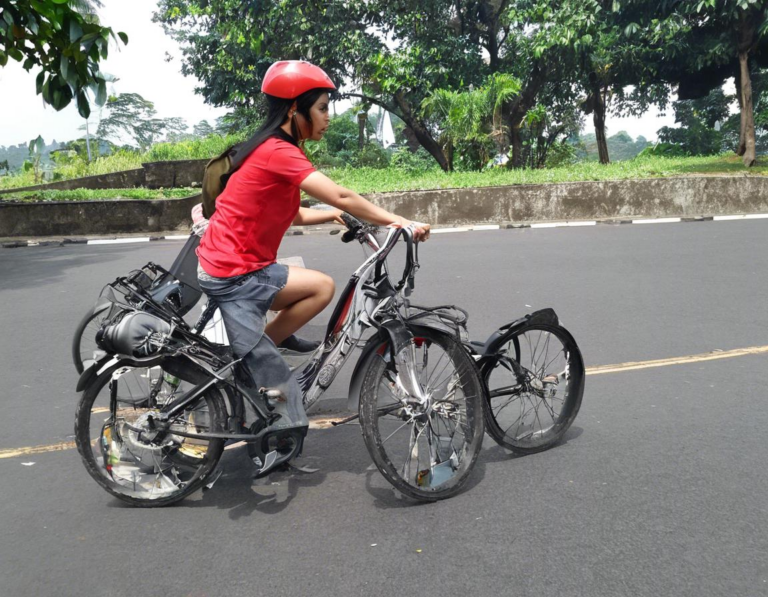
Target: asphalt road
{"points": [[659, 489]]}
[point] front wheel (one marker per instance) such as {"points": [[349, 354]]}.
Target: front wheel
{"points": [[535, 385], [116, 435], [424, 445]]}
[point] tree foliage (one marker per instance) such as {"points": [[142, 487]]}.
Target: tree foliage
{"points": [[704, 42], [65, 40], [130, 115], [203, 129], [470, 122], [425, 61]]}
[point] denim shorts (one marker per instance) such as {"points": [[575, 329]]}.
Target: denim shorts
{"points": [[244, 301]]}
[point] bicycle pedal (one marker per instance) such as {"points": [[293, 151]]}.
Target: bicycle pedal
{"points": [[269, 462], [213, 480], [304, 470]]}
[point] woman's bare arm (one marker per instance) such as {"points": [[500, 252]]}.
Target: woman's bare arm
{"points": [[321, 187], [312, 217]]}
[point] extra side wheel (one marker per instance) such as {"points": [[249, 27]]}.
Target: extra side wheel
{"points": [[84, 341], [115, 435], [425, 449], [535, 387]]}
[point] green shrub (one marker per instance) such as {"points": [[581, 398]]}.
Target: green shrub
{"points": [[669, 150], [193, 149], [405, 160], [561, 154], [373, 156]]}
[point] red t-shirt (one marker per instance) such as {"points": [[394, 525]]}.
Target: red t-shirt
{"points": [[254, 210]]}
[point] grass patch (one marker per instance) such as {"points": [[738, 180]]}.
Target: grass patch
{"points": [[369, 180], [98, 195]]}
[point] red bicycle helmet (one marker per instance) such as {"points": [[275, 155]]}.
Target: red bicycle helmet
{"points": [[288, 79]]}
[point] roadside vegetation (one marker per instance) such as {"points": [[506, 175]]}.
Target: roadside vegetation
{"points": [[488, 92], [422, 174], [97, 195], [370, 180]]}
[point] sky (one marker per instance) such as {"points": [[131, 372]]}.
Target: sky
{"points": [[141, 68]]}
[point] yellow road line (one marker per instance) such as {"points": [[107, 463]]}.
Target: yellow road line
{"points": [[325, 422], [694, 358], [314, 423], [36, 450]]}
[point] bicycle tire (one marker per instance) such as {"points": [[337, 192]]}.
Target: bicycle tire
{"points": [[83, 341], [467, 401], [101, 459], [539, 409]]}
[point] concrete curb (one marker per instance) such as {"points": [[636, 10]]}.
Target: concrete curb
{"points": [[327, 229]]}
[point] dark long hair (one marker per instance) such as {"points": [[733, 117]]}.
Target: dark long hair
{"points": [[277, 113]]}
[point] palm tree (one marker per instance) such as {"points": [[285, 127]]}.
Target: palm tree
{"points": [[472, 117]]}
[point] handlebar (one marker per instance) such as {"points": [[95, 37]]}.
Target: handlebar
{"points": [[359, 230]]}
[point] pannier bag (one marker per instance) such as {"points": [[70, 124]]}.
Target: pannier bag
{"points": [[133, 333]]}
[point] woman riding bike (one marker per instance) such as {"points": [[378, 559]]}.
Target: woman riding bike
{"points": [[238, 269]]}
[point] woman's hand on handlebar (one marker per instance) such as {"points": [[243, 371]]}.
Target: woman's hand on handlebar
{"points": [[420, 231], [336, 217]]}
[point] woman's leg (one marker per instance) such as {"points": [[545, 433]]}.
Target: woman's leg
{"points": [[306, 293]]}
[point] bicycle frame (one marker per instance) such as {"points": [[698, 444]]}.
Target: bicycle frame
{"points": [[369, 296]]}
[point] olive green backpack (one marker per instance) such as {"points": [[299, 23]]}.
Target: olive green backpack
{"points": [[219, 169], [215, 177]]}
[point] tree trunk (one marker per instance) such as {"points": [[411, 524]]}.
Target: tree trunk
{"points": [[421, 133], [402, 109], [747, 138], [411, 140], [598, 117], [516, 110], [742, 146], [517, 147], [88, 140], [362, 119]]}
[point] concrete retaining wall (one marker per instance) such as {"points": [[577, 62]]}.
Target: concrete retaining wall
{"points": [[179, 173], [125, 179], [685, 196], [155, 175], [82, 218]]}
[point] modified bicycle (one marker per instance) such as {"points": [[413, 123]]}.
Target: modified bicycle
{"points": [[160, 399]]}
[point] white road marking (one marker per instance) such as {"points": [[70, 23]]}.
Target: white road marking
{"points": [[657, 221], [117, 241]]}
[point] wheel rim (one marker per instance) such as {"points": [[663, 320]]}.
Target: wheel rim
{"points": [[425, 444], [130, 458], [88, 350], [529, 388]]}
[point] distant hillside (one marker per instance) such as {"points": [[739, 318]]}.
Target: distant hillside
{"points": [[620, 147], [17, 154]]}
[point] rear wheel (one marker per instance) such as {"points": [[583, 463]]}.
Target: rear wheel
{"points": [[425, 447], [116, 435], [535, 387]]}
